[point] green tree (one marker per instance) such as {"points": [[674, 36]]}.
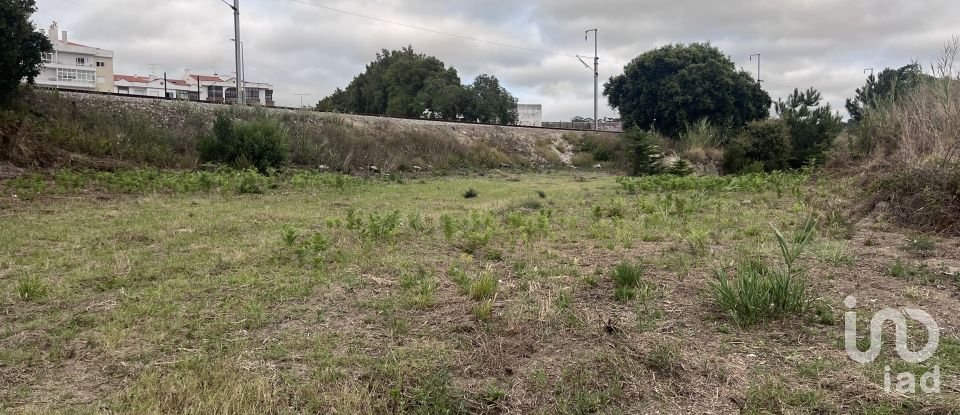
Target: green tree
{"points": [[670, 87], [490, 102], [406, 83], [644, 152], [888, 85], [20, 55], [812, 126], [393, 84]]}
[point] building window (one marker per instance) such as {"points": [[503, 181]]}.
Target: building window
{"points": [[47, 57], [214, 92], [81, 61], [123, 90], [252, 93], [100, 64], [76, 75], [269, 95]]}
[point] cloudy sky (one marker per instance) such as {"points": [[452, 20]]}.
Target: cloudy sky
{"points": [[301, 48]]}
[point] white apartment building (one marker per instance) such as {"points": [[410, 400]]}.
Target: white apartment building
{"points": [[193, 87], [75, 66]]}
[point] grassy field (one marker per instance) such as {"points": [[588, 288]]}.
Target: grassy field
{"points": [[217, 293]]}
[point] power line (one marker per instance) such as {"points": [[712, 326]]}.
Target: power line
{"points": [[454, 35]]}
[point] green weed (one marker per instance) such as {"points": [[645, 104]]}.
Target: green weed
{"points": [[757, 291]]}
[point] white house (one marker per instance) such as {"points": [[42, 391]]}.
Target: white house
{"points": [[193, 87], [75, 66]]}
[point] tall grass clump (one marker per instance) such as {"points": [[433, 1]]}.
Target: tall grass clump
{"points": [[910, 148], [703, 142], [758, 291]]}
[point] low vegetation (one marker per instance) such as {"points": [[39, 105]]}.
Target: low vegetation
{"points": [[323, 292]]}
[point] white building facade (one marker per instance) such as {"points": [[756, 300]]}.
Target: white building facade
{"points": [[75, 66], [530, 115], [193, 87]]}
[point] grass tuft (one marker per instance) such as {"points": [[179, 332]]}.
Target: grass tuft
{"points": [[483, 287], [31, 288], [627, 278]]}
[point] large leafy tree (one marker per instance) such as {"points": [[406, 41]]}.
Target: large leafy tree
{"points": [[676, 85], [21, 45], [406, 83], [490, 102], [393, 85], [812, 125], [888, 85]]}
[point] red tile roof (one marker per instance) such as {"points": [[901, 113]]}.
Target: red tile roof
{"points": [[205, 78], [131, 78], [178, 82]]}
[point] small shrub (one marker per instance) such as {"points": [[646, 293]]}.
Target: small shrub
{"points": [[542, 194], [583, 160], [381, 227], [920, 245], [31, 288], [470, 193], [645, 152], [250, 182], [680, 167], [289, 234], [825, 315], [449, 226], [261, 143], [766, 142]]}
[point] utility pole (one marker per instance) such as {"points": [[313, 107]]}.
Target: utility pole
{"points": [[243, 66], [596, 78], [301, 98], [758, 66], [241, 97]]}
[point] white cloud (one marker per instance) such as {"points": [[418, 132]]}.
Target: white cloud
{"points": [[302, 49]]}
